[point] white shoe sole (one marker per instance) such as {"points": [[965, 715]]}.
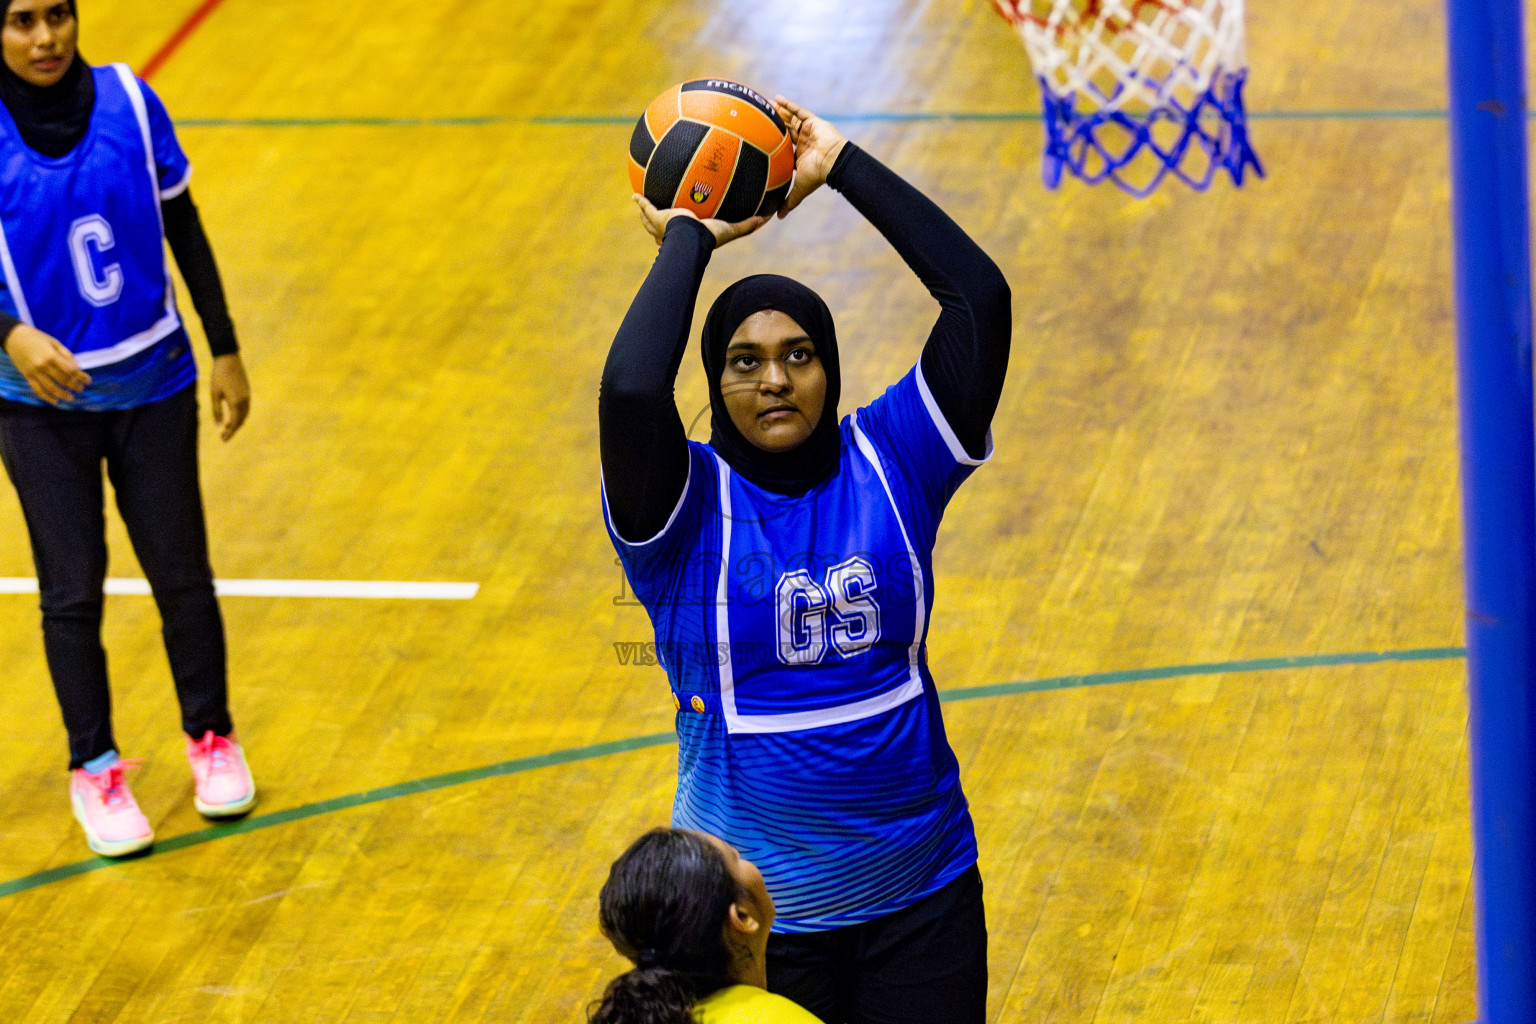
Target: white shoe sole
{"points": [[109, 847], [230, 810]]}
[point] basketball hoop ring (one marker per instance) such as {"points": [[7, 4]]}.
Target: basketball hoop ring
{"points": [[1136, 90]]}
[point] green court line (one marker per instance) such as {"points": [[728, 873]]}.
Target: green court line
{"points": [[596, 750], [1351, 115], [905, 117], [342, 803], [846, 117], [866, 117], [1133, 675], [343, 122]]}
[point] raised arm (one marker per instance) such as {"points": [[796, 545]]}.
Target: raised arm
{"points": [[966, 355], [641, 436]]}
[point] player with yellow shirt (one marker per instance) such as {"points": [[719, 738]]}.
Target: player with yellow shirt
{"points": [[693, 916]]}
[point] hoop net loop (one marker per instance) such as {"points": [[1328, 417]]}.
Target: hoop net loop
{"points": [[1135, 90]]}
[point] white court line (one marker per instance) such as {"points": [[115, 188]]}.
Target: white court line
{"points": [[375, 589]]}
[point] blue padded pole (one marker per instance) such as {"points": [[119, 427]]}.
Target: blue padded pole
{"points": [[1493, 328]]}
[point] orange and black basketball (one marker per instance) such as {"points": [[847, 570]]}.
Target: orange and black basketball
{"points": [[714, 147]]}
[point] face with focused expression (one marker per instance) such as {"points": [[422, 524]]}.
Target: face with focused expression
{"points": [[39, 39], [773, 384]]}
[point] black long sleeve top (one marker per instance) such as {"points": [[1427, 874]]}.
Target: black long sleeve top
{"points": [[189, 244], [643, 443]]}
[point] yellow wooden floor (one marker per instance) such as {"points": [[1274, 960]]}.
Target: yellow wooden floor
{"points": [[1228, 435]]}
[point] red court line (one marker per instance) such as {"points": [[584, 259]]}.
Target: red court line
{"points": [[171, 45]]}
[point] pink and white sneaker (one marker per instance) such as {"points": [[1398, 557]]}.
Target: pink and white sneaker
{"points": [[225, 788], [114, 825]]}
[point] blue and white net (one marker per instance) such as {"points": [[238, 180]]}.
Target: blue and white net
{"points": [[1136, 90]]}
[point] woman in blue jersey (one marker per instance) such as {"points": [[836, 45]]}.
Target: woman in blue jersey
{"points": [[97, 367], [786, 566], [693, 916]]}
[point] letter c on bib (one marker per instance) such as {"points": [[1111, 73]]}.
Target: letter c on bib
{"points": [[104, 288]]}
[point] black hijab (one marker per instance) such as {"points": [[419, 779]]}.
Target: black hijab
{"points": [[51, 120], [798, 470]]}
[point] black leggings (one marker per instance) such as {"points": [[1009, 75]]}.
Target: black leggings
{"points": [[926, 964], [54, 459]]}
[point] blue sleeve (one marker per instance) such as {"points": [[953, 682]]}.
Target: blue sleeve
{"points": [[907, 427], [670, 563], [171, 164]]}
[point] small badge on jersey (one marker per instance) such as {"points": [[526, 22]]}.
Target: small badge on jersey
{"points": [[698, 703]]}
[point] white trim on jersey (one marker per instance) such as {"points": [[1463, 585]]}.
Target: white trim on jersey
{"points": [[920, 605], [178, 188], [171, 320], [956, 449], [141, 113], [670, 519], [737, 723], [733, 721], [13, 282], [163, 328]]}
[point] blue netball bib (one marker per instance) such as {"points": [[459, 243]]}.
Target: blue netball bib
{"points": [[82, 245], [822, 603]]}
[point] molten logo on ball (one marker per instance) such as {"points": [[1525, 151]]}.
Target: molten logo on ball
{"points": [[700, 192]]}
